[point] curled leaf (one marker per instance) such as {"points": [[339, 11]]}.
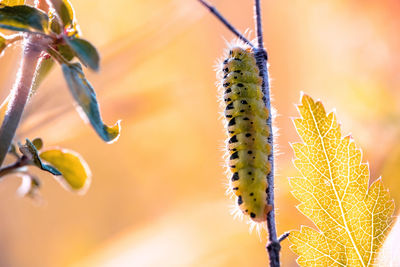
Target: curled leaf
{"points": [[29, 150], [23, 18], [75, 172], [85, 51], [85, 96]]}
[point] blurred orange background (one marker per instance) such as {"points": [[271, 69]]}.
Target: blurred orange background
{"points": [[158, 194]]}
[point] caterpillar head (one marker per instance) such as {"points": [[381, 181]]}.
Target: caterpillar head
{"points": [[241, 53]]}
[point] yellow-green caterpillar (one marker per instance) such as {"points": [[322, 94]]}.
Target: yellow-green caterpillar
{"points": [[248, 133]]}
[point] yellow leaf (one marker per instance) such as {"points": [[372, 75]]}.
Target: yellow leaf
{"points": [[352, 218], [75, 172]]}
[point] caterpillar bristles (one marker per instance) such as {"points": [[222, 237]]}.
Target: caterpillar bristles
{"points": [[247, 146]]}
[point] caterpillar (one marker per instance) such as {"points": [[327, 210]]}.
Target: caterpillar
{"points": [[248, 133]]}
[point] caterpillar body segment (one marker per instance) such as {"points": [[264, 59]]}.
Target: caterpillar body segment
{"points": [[248, 133]]}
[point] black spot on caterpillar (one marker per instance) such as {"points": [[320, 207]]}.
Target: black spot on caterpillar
{"points": [[239, 200], [248, 132], [235, 177]]}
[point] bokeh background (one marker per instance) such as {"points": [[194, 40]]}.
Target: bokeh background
{"points": [[158, 194]]}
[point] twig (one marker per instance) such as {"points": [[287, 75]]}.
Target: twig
{"points": [[214, 11], [259, 29], [283, 237], [273, 246], [21, 162]]}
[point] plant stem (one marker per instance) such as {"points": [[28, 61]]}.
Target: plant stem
{"points": [[259, 29], [273, 246], [283, 236], [214, 11], [20, 93], [21, 162]]}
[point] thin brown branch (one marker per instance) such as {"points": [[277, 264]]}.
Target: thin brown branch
{"points": [[214, 11], [259, 29], [283, 237], [273, 246], [21, 162]]}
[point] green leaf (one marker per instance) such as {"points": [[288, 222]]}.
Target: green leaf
{"points": [[23, 18], [29, 150], [66, 51], [65, 11], [54, 22], [352, 217], [12, 2], [38, 143], [85, 96], [73, 168], [85, 51]]}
